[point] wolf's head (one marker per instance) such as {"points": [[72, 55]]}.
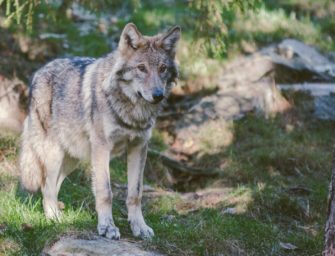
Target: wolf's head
{"points": [[146, 68]]}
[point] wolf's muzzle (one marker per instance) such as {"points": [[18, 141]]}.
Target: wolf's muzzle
{"points": [[158, 95]]}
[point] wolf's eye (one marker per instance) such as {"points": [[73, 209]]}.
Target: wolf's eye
{"points": [[162, 68], [142, 68]]}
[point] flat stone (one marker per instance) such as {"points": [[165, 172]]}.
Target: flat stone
{"points": [[99, 246]]}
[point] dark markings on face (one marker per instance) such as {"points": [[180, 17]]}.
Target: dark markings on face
{"points": [[120, 75], [152, 58]]}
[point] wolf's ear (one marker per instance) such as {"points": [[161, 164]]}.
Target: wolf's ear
{"points": [[169, 40], [130, 37]]}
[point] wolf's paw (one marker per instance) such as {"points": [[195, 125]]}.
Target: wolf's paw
{"points": [[110, 231], [140, 229], [52, 212]]}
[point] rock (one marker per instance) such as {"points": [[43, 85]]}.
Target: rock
{"points": [[288, 246], [250, 84], [325, 107], [296, 55], [315, 89], [98, 246], [193, 137], [245, 85], [230, 210], [324, 97]]}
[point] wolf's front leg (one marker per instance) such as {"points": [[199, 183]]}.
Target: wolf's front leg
{"points": [[136, 158], [102, 191]]}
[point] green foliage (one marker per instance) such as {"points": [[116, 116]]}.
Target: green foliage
{"points": [[205, 18], [208, 21], [218, 28], [20, 12]]}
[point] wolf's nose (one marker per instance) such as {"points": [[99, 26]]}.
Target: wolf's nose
{"points": [[158, 95]]}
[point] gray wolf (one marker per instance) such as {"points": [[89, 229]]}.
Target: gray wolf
{"points": [[86, 108]]}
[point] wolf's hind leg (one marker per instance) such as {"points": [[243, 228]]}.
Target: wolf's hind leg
{"points": [[52, 161], [136, 161]]}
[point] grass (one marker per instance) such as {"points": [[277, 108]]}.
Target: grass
{"points": [[276, 178]]}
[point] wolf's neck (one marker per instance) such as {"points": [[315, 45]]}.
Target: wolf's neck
{"points": [[138, 115]]}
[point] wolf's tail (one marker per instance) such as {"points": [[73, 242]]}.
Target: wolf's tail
{"points": [[31, 167]]}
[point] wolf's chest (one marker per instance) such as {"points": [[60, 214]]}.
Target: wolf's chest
{"points": [[118, 143], [119, 139]]}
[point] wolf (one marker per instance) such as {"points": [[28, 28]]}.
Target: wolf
{"points": [[86, 108]]}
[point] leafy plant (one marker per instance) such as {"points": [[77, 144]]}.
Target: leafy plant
{"points": [[14, 10], [209, 24], [207, 17]]}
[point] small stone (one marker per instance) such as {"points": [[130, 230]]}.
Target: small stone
{"points": [[289, 128], [229, 211], [168, 218], [26, 226], [288, 246], [61, 205], [148, 188]]}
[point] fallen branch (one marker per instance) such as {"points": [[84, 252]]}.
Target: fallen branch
{"points": [[178, 166]]}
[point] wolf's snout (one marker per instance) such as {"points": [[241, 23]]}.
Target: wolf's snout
{"points": [[158, 95]]}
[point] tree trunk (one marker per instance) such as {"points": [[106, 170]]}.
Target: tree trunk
{"points": [[330, 225]]}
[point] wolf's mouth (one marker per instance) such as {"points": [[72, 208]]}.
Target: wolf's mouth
{"points": [[151, 102], [140, 94]]}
